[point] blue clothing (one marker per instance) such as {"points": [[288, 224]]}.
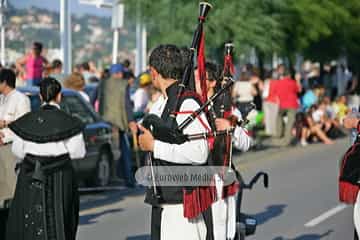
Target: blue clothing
{"points": [[33, 82], [124, 166], [309, 99], [129, 106]]}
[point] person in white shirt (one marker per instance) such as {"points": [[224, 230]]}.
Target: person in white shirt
{"points": [[142, 95], [46, 201], [13, 105], [168, 218], [223, 210]]}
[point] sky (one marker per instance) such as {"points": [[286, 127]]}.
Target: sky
{"points": [[54, 5]]}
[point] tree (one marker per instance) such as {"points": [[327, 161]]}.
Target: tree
{"points": [[312, 28]]}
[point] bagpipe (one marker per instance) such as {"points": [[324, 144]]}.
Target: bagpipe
{"points": [[167, 132]]}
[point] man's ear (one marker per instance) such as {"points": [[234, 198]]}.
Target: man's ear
{"points": [[153, 73]]}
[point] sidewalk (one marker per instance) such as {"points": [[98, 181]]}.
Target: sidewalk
{"points": [[244, 159]]}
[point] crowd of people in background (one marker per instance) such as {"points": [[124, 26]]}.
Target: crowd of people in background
{"points": [[291, 107]]}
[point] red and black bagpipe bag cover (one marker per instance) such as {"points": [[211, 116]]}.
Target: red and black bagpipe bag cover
{"points": [[350, 174]]}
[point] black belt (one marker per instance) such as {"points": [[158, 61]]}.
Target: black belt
{"points": [[43, 165]]}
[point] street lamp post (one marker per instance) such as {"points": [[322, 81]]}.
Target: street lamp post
{"points": [[117, 22], [3, 5], [65, 34]]}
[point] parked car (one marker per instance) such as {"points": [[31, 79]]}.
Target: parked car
{"points": [[98, 166]]}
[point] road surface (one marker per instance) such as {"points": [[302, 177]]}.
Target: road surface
{"points": [[301, 203]]}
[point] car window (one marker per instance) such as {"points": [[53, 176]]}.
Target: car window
{"points": [[75, 107]]}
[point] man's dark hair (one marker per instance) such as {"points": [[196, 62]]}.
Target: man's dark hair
{"points": [[8, 76], [49, 89], [186, 54], [56, 63], [167, 60], [38, 46], [214, 71], [85, 66]]}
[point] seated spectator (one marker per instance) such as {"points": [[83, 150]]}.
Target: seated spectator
{"points": [[309, 99], [77, 82], [340, 108], [316, 126]]}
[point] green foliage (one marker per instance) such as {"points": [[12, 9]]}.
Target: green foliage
{"points": [[321, 29]]}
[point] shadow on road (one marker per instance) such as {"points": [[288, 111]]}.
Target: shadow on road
{"points": [[91, 218], [109, 197], [102, 199], [271, 212], [139, 237], [308, 236]]}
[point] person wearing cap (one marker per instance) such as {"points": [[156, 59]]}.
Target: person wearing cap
{"points": [[115, 107], [142, 96]]}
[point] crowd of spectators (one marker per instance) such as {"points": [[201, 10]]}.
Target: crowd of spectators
{"points": [[292, 107]]}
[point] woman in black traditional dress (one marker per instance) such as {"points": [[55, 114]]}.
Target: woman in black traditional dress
{"points": [[46, 202]]}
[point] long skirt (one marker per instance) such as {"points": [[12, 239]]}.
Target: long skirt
{"points": [[45, 206]]}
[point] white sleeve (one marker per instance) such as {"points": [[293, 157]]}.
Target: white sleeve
{"points": [[193, 152], [241, 139], [18, 147], [76, 146], [21, 108]]}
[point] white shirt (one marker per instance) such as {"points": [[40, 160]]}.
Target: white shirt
{"points": [[241, 139], [12, 106], [193, 152], [140, 99], [75, 146], [317, 115]]}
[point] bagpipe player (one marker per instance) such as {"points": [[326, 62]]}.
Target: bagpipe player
{"points": [[224, 208], [168, 221]]}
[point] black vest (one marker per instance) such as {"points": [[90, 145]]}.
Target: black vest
{"points": [[170, 194]]}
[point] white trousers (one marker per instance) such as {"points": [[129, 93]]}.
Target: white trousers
{"points": [[224, 214], [357, 214], [174, 226]]}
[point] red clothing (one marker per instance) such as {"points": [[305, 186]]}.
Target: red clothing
{"points": [[287, 91], [272, 97]]}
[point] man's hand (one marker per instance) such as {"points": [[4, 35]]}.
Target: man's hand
{"points": [[133, 127], [146, 140], [222, 124], [350, 122]]}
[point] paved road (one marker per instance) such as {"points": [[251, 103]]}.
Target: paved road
{"points": [[301, 203]]}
